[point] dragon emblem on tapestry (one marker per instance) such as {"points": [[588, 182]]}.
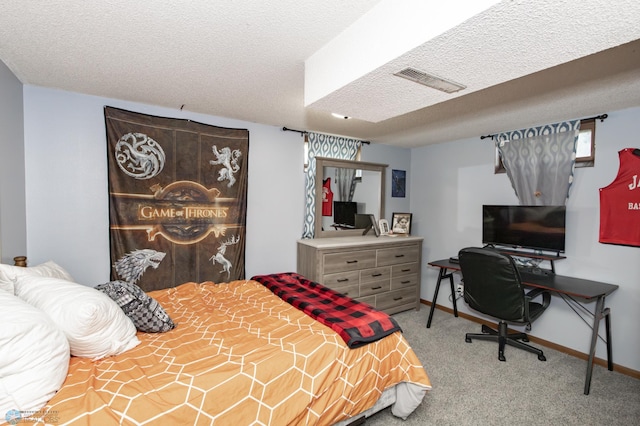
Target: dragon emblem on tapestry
{"points": [[176, 188]]}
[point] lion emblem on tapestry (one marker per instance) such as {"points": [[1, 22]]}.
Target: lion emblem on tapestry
{"points": [[177, 189]]}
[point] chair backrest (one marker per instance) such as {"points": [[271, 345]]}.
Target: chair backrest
{"points": [[492, 283]]}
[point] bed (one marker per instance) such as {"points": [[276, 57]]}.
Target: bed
{"points": [[236, 354]]}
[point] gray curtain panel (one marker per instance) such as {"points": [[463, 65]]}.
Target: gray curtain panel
{"points": [[540, 162], [346, 183]]}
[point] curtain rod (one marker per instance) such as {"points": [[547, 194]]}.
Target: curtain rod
{"points": [[600, 117], [304, 132]]}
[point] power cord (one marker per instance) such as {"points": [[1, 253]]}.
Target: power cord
{"points": [[528, 262], [459, 291]]}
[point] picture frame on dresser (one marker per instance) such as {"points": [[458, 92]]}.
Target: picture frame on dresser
{"points": [[374, 225], [384, 227], [363, 221], [401, 223]]}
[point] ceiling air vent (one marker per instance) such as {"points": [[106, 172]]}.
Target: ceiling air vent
{"points": [[430, 80]]}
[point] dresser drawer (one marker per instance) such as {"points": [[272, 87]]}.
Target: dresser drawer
{"points": [[397, 255], [375, 274], [371, 300], [405, 269], [349, 261], [396, 298], [352, 290], [404, 281], [341, 279], [374, 287]]}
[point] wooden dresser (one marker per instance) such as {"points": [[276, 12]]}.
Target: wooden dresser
{"points": [[383, 272]]}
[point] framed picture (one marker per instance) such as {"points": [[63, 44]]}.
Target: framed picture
{"points": [[398, 183], [384, 227], [401, 223], [374, 225]]}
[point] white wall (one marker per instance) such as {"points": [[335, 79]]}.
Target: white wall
{"points": [[66, 183], [13, 220], [396, 159], [449, 184]]}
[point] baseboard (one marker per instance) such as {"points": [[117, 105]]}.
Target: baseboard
{"points": [[619, 368]]}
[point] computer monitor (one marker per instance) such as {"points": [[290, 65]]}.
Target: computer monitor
{"points": [[533, 227], [344, 213]]}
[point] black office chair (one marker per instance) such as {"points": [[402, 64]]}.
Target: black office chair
{"points": [[492, 285]]}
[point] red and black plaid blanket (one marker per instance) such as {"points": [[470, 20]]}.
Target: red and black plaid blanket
{"points": [[356, 322]]}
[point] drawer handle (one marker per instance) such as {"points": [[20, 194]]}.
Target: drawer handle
{"points": [[406, 270], [405, 282], [352, 261], [341, 280], [376, 288], [399, 255], [376, 275], [397, 298]]}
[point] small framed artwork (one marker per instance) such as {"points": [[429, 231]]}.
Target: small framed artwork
{"points": [[401, 223], [374, 225], [384, 226], [398, 183]]}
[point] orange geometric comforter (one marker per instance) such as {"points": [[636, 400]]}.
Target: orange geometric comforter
{"points": [[239, 355]]}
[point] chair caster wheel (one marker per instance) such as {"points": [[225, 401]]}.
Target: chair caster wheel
{"points": [[502, 358], [467, 339], [525, 339], [542, 358]]}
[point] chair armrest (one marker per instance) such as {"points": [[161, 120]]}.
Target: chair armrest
{"points": [[546, 296], [546, 300]]}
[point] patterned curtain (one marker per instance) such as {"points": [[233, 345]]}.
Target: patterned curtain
{"points": [[321, 145], [540, 162]]}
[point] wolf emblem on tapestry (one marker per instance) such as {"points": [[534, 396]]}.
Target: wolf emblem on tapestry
{"points": [[177, 200]]}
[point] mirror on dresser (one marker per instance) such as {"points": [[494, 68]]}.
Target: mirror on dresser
{"points": [[368, 195]]}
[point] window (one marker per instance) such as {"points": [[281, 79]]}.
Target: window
{"points": [[585, 148]]}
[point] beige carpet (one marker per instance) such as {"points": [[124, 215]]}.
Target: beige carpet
{"points": [[471, 387]]}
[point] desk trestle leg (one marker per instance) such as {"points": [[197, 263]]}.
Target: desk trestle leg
{"points": [[599, 313], [443, 274]]}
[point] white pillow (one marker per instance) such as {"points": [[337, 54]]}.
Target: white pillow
{"points": [[34, 356], [94, 324], [8, 273]]}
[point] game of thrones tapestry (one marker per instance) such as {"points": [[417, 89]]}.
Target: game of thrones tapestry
{"points": [[177, 200]]}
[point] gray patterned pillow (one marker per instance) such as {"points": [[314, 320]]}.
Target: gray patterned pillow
{"points": [[145, 312]]}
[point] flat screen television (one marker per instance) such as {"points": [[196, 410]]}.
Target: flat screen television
{"points": [[532, 227], [344, 213]]}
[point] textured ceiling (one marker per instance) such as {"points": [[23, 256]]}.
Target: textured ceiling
{"points": [[525, 62]]}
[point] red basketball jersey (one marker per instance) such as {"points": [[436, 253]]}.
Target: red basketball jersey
{"points": [[620, 202], [327, 197]]}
